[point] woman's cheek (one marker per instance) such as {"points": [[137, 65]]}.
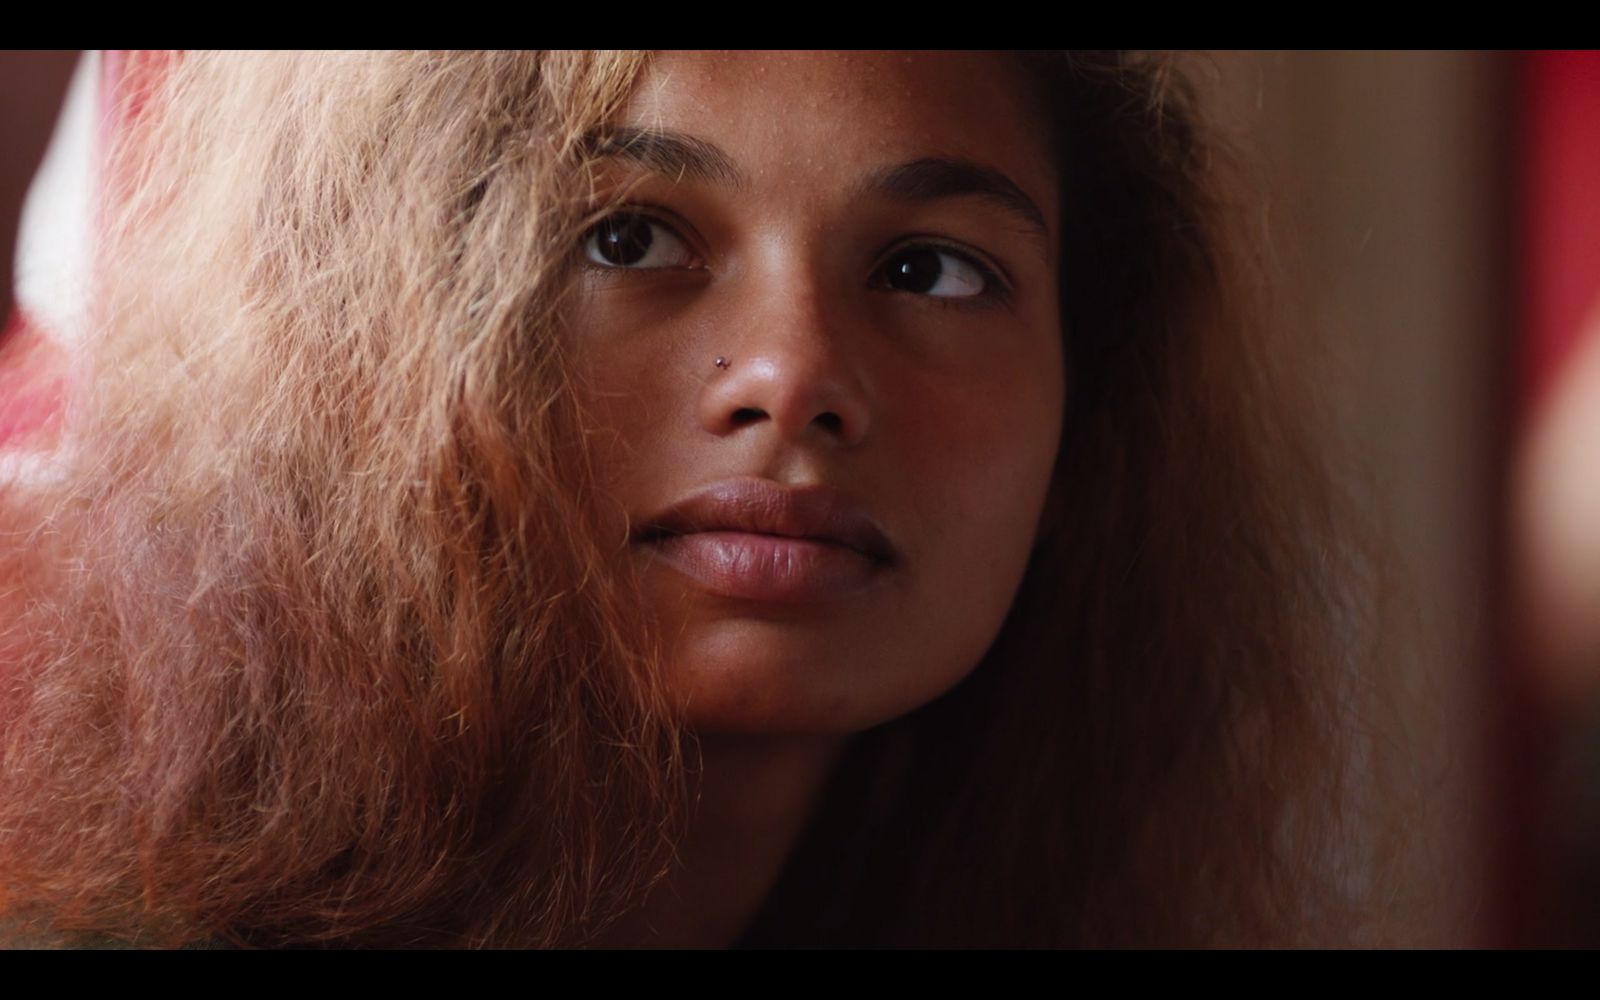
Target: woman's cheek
{"points": [[988, 439]]}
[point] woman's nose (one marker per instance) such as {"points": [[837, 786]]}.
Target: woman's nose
{"points": [[784, 368]]}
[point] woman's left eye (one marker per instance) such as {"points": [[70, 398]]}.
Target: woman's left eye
{"points": [[636, 241], [932, 271]]}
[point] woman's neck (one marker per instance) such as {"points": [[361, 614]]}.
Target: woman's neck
{"points": [[754, 797]]}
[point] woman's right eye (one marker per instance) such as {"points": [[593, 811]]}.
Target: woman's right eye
{"points": [[636, 241]]}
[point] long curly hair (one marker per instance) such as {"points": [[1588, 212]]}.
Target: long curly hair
{"points": [[318, 640]]}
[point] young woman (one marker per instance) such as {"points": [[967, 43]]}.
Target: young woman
{"points": [[696, 499]]}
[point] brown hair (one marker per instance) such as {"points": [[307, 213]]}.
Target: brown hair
{"points": [[1156, 749], [326, 649], [317, 639]]}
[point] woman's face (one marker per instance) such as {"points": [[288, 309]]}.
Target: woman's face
{"points": [[822, 344]]}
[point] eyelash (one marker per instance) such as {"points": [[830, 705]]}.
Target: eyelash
{"points": [[649, 217], [996, 289]]}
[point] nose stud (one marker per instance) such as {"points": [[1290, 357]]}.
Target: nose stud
{"points": [[722, 362]]}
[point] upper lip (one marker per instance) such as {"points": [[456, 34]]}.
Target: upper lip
{"points": [[761, 506]]}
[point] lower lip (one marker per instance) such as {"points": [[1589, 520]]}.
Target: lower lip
{"points": [[768, 567]]}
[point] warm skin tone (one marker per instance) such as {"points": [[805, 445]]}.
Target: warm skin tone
{"points": [[870, 242]]}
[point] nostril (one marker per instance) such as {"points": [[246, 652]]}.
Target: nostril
{"points": [[831, 421], [746, 415]]}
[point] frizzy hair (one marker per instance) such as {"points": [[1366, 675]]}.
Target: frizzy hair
{"points": [[328, 651], [318, 641]]}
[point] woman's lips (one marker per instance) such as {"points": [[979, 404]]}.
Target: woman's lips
{"points": [[758, 540], [773, 568]]}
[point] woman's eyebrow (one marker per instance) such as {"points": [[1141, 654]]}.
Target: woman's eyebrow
{"points": [[934, 177], [679, 155], [674, 154]]}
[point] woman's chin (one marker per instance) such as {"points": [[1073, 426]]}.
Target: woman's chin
{"points": [[755, 675]]}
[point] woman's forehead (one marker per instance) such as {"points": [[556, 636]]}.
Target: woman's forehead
{"points": [[849, 113]]}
